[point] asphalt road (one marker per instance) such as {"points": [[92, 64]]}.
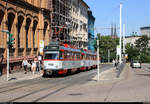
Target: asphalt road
{"points": [[38, 89]]}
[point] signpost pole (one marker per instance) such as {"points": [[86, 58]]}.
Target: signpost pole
{"points": [[6, 31]]}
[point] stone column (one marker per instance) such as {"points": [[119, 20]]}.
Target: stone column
{"points": [[24, 36], [31, 38], [2, 34], [48, 34], [5, 35]]}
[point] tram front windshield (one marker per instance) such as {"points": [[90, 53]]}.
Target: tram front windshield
{"points": [[51, 56]]}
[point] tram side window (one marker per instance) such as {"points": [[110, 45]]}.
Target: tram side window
{"points": [[61, 55], [78, 56], [65, 55], [51, 56]]}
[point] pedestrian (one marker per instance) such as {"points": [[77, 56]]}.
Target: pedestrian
{"points": [[37, 66], [33, 67], [113, 63], [24, 64], [1, 65], [116, 63], [29, 66], [40, 61]]}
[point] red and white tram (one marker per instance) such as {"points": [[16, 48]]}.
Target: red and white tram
{"points": [[64, 59]]}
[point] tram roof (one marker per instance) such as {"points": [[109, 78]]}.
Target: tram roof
{"points": [[70, 49], [90, 53]]}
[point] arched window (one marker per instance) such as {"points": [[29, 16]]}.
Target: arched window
{"points": [[28, 22], [19, 27]]}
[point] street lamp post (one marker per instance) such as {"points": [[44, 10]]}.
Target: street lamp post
{"points": [[7, 54]]}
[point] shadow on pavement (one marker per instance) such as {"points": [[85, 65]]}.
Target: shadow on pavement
{"points": [[12, 79], [144, 75]]}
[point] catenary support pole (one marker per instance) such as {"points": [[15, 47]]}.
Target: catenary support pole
{"points": [[120, 54], [98, 60], [108, 56], [124, 38]]}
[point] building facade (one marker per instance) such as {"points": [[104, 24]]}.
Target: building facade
{"points": [[29, 22], [91, 21], [33, 21], [145, 30], [79, 15], [60, 18], [131, 39]]}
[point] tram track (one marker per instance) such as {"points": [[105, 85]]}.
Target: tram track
{"points": [[25, 84], [56, 87], [20, 86], [52, 85]]}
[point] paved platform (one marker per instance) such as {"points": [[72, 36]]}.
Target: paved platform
{"points": [[19, 76]]}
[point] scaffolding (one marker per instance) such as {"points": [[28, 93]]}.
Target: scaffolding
{"points": [[60, 18]]}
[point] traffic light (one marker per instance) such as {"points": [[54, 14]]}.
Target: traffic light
{"points": [[10, 41]]}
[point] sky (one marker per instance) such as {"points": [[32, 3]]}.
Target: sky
{"points": [[135, 14]]}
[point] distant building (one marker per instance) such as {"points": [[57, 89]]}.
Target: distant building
{"points": [[91, 21], [113, 31], [131, 39], [145, 30]]}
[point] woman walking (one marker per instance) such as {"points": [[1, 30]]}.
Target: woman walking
{"points": [[33, 67]]}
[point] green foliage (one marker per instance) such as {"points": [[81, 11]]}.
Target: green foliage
{"points": [[106, 43], [132, 52], [140, 51], [142, 43]]}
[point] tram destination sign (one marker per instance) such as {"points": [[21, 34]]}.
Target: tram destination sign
{"points": [[51, 48]]}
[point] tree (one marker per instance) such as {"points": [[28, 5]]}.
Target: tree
{"points": [[140, 51], [132, 52], [106, 43], [142, 43]]}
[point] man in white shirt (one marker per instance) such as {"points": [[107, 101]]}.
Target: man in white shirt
{"points": [[24, 64]]}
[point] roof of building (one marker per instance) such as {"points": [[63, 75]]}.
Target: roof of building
{"points": [[91, 14], [132, 36], [145, 27], [84, 3]]}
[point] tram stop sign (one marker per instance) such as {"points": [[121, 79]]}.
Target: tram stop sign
{"points": [[41, 43], [41, 46]]}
